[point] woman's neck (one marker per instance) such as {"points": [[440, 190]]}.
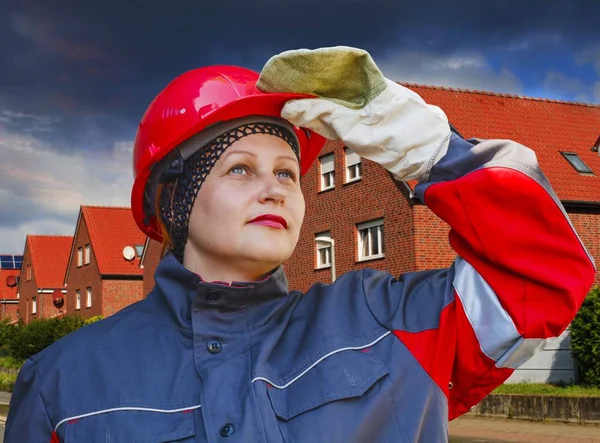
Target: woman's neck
{"points": [[214, 271]]}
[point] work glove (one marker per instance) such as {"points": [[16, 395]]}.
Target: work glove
{"points": [[375, 117]]}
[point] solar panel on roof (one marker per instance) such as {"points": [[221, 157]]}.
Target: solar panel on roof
{"points": [[11, 261]]}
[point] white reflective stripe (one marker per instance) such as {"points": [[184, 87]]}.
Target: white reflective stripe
{"points": [[356, 348], [494, 328], [132, 408]]}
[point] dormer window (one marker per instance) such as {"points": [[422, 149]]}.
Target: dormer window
{"points": [[577, 163]]}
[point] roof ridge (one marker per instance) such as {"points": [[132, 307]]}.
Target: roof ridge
{"points": [[45, 236], [499, 94], [106, 207]]}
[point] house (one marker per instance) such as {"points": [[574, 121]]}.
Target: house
{"points": [[102, 273], [10, 268], [40, 289], [359, 216]]}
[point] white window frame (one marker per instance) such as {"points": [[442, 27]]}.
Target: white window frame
{"points": [[79, 257], [371, 231], [353, 164], [323, 247], [327, 170], [88, 300], [33, 305], [77, 300], [87, 254]]}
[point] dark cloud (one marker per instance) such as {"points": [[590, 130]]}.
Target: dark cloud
{"points": [[95, 66]]}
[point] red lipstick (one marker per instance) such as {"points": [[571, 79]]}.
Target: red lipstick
{"points": [[271, 220]]}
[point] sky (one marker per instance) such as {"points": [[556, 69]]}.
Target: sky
{"points": [[76, 77]]}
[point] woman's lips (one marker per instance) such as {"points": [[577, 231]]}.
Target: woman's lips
{"points": [[270, 220]]}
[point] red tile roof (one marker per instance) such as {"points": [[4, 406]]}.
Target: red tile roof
{"points": [[546, 126], [49, 257], [7, 292], [110, 230]]}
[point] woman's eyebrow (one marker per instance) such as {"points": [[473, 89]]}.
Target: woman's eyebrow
{"points": [[252, 154]]}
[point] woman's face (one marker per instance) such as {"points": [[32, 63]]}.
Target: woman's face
{"points": [[247, 216]]}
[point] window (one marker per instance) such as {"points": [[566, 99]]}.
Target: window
{"points": [[577, 163], [353, 166], [327, 172], [370, 240], [139, 250], [87, 256], [79, 256], [34, 305], [28, 272], [77, 300], [88, 303], [323, 251]]}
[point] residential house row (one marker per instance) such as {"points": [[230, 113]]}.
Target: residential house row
{"points": [[95, 272]]}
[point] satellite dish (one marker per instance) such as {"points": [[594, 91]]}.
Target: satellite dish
{"points": [[57, 294], [58, 298], [128, 253], [11, 281]]}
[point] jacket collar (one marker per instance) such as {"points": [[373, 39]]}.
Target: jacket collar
{"points": [[216, 304]]}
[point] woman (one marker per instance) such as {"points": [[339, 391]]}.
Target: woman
{"points": [[221, 351]]}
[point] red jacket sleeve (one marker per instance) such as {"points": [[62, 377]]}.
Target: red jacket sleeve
{"points": [[522, 271]]}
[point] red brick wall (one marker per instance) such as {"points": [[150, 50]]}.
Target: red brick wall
{"points": [[9, 311], [338, 210], [587, 225], [432, 249], [150, 263], [82, 277], [117, 294]]}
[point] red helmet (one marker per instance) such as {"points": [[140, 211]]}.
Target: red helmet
{"points": [[192, 102]]}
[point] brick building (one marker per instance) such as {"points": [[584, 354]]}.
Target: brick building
{"points": [[10, 268], [103, 273], [41, 278]]}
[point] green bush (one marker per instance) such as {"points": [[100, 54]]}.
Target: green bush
{"points": [[9, 362], [89, 321], [7, 382], [28, 340], [585, 338], [7, 332]]}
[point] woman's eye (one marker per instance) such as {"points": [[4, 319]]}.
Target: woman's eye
{"points": [[238, 169], [287, 174]]}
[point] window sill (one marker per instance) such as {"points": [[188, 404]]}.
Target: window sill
{"points": [[371, 258], [355, 180], [318, 268], [326, 190]]}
